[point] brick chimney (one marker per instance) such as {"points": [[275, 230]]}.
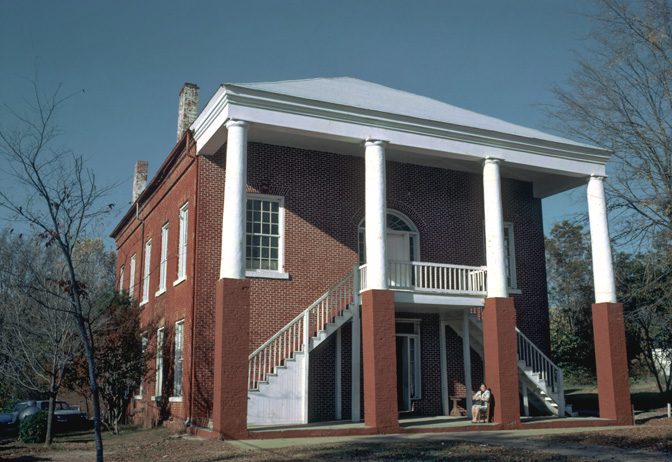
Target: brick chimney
{"points": [[188, 110], [139, 178]]}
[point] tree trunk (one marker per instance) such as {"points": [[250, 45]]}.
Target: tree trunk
{"points": [[50, 416], [94, 386]]}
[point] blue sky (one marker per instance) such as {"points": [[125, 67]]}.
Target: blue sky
{"points": [[499, 58]]}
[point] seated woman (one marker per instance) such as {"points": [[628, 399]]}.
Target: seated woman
{"points": [[481, 399]]}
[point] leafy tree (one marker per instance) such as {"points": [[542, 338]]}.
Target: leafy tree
{"points": [[645, 287], [123, 350], [569, 272], [49, 190]]}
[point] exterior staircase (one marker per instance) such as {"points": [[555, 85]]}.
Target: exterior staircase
{"points": [[540, 380], [278, 369]]}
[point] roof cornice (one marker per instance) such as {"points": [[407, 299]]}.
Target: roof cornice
{"points": [[229, 96]]}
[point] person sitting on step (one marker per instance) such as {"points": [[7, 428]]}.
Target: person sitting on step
{"points": [[481, 400]]}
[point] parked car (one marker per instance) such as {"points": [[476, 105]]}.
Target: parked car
{"points": [[65, 416], [9, 421]]}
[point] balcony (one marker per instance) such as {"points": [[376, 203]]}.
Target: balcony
{"points": [[435, 283]]}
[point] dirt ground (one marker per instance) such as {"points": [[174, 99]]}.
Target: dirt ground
{"points": [[653, 434]]}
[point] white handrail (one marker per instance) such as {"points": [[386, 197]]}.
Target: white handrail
{"points": [[296, 334], [433, 277], [542, 365]]}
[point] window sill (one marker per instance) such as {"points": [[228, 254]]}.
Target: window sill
{"points": [[266, 274], [175, 399], [144, 302], [160, 292], [179, 281], [156, 398], [515, 291], [137, 397]]}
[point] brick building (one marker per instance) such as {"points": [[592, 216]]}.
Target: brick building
{"points": [[309, 244]]}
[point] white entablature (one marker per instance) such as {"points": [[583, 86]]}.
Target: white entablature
{"points": [[339, 114]]}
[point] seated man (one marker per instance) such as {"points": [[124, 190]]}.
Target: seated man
{"points": [[481, 399]]}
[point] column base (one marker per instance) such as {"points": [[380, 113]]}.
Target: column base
{"points": [[501, 360], [611, 359], [232, 333], [380, 361]]}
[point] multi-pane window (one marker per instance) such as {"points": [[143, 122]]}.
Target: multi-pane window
{"points": [[182, 246], [158, 388], [263, 234], [179, 348], [164, 259], [131, 279], [121, 279], [145, 279]]}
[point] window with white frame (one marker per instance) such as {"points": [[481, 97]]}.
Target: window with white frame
{"points": [[164, 259], [264, 234], [177, 366], [158, 387], [141, 387], [182, 245], [121, 279], [145, 278], [131, 279]]}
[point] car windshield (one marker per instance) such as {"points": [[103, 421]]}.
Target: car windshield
{"points": [[62, 406]]}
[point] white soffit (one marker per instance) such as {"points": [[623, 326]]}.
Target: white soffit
{"points": [[353, 110]]}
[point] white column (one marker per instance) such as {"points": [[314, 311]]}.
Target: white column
{"points": [[376, 206], [466, 359], [494, 229], [603, 270], [233, 222], [444, 368]]}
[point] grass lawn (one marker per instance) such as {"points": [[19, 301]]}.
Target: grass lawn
{"points": [[643, 394], [162, 444]]}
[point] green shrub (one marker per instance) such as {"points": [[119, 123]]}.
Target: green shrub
{"points": [[33, 429]]}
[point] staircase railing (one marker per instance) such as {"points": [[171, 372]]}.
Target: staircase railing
{"points": [[295, 336], [536, 360], [542, 365]]}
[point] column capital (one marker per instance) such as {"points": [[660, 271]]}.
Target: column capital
{"points": [[597, 177], [236, 123], [492, 160], [372, 142]]}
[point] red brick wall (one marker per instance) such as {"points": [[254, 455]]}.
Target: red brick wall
{"points": [[324, 203], [161, 207]]}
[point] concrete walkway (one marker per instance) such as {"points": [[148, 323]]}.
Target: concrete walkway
{"points": [[524, 439]]}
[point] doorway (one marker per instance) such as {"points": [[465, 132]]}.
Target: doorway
{"points": [[408, 363]]}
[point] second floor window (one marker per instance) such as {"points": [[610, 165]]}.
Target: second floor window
{"points": [[131, 279], [145, 278], [164, 259], [182, 246], [263, 239]]}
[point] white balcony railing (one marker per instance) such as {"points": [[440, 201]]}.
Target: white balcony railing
{"points": [[432, 277]]}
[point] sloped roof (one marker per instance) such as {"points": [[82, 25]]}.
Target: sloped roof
{"points": [[348, 91]]}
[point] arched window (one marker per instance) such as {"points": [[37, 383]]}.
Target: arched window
{"points": [[402, 238]]}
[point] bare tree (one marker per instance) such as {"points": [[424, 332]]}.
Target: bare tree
{"points": [[55, 195], [620, 98], [41, 337]]}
